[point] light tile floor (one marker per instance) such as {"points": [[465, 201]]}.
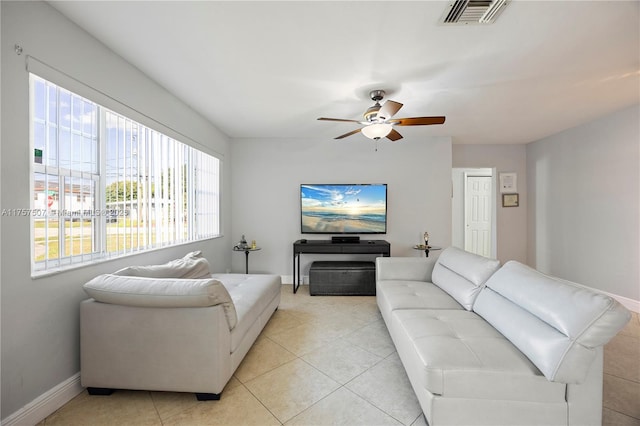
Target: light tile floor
{"points": [[621, 405], [320, 361]]}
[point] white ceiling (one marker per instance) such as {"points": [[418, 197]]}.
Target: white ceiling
{"points": [[269, 69]]}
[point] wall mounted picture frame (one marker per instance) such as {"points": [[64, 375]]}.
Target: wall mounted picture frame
{"points": [[510, 200], [508, 183]]}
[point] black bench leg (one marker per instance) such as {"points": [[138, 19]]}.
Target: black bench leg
{"points": [[99, 391], [208, 396]]}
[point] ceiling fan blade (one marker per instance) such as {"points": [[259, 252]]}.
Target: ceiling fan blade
{"points": [[388, 109], [417, 121], [394, 135], [348, 134], [338, 119]]}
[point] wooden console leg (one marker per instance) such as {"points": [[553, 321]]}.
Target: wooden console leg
{"points": [[208, 396], [100, 391]]}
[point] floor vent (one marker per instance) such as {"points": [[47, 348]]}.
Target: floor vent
{"points": [[463, 12]]}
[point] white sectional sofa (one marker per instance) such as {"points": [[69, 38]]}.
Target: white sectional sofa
{"points": [[484, 345], [172, 327]]}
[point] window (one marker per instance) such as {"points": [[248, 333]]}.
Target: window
{"points": [[105, 185]]}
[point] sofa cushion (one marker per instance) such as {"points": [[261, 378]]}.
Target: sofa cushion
{"points": [[161, 293], [456, 354], [555, 323], [462, 274], [251, 294], [413, 295], [193, 265]]}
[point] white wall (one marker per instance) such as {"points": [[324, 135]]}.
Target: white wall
{"points": [[266, 182], [511, 221], [584, 204], [40, 325]]}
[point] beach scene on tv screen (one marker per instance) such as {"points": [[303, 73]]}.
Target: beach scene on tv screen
{"points": [[356, 209]]}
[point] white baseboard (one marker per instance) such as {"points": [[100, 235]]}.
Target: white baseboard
{"points": [[630, 304], [46, 404]]}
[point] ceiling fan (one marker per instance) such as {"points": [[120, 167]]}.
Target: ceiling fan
{"points": [[378, 119]]}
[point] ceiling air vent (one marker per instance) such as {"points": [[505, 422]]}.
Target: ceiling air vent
{"points": [[464, 12]]}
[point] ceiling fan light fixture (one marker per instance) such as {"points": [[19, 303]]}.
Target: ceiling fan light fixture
{"points": [[372, 113], [377, 130]]}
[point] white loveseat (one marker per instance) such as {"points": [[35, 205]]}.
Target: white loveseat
{"points": [[186, 333], [484, 345]]}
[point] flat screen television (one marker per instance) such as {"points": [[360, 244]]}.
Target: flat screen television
{"points": [[343, 209]]}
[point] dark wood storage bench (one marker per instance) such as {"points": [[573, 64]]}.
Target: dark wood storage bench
{"points": [[372, 247], [345, 278]]}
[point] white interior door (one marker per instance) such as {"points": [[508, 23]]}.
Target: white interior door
{"points": [[477, 215]]}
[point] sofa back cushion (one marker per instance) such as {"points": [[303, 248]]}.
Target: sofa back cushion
{"points": [[161, 293], [555, 323], [462, 274], [192, 265]]}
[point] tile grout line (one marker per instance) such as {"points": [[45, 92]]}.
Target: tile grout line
{"points": [[626, 379], [621, 413], [261, 403]]}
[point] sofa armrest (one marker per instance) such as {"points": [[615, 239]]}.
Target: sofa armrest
{"points": [[152, 348], [404, 268]]}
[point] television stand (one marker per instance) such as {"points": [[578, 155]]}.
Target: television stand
{"points": [[374, 247]]}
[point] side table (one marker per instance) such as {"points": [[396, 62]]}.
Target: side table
{"points": [[426, 249], [246, 251]]}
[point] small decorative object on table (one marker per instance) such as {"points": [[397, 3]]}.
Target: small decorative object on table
{"points": [[242, 244], [426, 247]]}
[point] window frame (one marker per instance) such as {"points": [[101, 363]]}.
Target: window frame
{"points": [[99, 251]]}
